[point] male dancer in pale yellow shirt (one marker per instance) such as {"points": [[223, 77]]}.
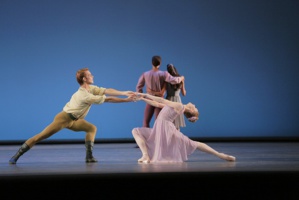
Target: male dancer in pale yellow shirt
{"points": [[73, 114]]}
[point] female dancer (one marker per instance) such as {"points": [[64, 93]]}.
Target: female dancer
{"points": [[163, 142]]}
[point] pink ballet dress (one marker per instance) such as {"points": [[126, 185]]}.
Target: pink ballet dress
{"points": [[164, 142]]}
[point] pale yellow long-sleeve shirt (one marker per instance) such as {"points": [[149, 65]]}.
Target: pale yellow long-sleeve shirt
{"points": [[81, 101]]}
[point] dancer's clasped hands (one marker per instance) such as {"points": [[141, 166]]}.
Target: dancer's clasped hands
{"points": [[138, 96]]}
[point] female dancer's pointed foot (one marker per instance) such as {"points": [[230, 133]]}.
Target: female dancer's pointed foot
{"points": [[144, 159], [227, 157]]}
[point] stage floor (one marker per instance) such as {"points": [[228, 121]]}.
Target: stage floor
{"points": [[272, 166], [122, 158]]}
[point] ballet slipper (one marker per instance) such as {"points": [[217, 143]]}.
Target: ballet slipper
{"points": [[227, 157], [144, 159], [231, 158]]}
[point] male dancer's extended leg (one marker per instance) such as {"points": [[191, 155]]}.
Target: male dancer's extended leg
{"points": [[91, 130], [60, 121]]}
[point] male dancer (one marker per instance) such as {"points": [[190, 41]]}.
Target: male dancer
{"points": [[73, 115]]}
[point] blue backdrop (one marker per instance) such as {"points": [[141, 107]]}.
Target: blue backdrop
{"points": [[240, 60]]}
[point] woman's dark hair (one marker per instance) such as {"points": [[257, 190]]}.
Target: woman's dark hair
{"points": [[173, 72]]}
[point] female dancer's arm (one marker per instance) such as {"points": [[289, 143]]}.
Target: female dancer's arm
{"points": [[152, 102], [157, 101], [183, 89]]}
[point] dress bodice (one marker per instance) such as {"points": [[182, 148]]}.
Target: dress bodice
{"points": [[169, 114]]}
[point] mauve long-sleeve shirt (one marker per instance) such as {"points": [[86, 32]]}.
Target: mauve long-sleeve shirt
{"points": [[154, 80]]}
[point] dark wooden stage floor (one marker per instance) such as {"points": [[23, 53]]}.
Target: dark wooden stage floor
{"points": [[263, 170]]}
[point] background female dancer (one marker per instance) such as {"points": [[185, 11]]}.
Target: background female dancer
{"points": [[173, 92]]}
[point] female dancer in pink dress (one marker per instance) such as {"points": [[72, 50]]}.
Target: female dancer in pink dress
{"points": [[163, 142]]}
